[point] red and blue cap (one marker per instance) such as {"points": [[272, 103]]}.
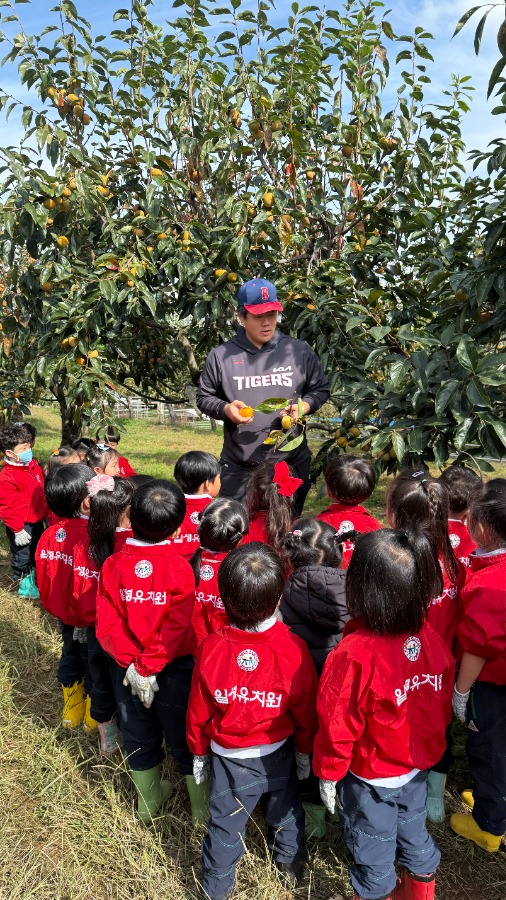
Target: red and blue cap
{"points": [[258, 296]]}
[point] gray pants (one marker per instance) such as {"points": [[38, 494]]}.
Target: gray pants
{"points": [[382, 825]]}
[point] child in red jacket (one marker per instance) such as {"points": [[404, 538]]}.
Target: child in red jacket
{"points": [[461, 483], [23, 506], [253, 697], [112, 439], [222, 525], [109, 501], [417, 500], [350, 480], [480, 691], [198, 475], [383, 707], [145, 600], [67, 496], [103, 460], [271, 502]]}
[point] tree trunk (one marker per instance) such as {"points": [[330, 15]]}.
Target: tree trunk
{"points": [[70, 416]]}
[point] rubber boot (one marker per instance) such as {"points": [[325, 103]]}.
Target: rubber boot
{"points": [[110, 737], [468, 828], [73, 705], [152, 792], [28, 587], [291, 873], [316, 826], [468, 798], [89, 724], [436, 784], [415, 887], [199, 800]]}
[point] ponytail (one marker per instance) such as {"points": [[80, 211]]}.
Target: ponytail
{"points": [[263, 496], [312, 542], [106, 509]]}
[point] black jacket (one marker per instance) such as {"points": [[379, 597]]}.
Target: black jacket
{"points": [[237, 370], [313, 605]]}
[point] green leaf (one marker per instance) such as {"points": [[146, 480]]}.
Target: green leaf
{"points": [[273, 437], [399, 445], [292, 445], [300, 408], [479, 32], [465, 18], [464, 432], [496, 73], [272, 404], [445, 395], [500, 430], [467, 354]]}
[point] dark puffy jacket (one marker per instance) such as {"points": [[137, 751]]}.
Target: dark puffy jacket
{"points": [[313, 605]]}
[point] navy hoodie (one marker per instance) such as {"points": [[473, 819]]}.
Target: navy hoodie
{"points": [[237, 370]]}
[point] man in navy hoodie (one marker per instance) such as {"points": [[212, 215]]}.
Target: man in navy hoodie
{"points": [[258, 363]]}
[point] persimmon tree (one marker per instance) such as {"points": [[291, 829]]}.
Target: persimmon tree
{"points": [[162, 166]]}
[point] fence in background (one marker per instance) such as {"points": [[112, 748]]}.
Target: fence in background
{"points": [[163, 414]]}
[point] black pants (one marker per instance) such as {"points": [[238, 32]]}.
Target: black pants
{"points": [[23, 558], [235, 477], [237, 785], [144, 730], [486, 750], [73, 661], [103, 701], [382, 825], [445, 763]]}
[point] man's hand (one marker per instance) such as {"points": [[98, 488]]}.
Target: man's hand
{"points": [[293, 410], [231, 411]]}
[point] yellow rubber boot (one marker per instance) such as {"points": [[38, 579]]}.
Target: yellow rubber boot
{"points": [[89, 724], [468, 798], [73, 705], [467, 828]]}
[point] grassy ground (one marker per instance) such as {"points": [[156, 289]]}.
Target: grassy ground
{"points": [[68, 830]]}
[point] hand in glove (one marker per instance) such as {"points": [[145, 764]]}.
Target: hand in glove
{"points": [[81, 635], [201, 768], [22, 538], [142, 686], [459, 704], [328, 793], [303, 763]]}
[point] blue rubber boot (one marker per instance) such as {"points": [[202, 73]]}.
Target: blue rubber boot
{"points": [[28, 586]]}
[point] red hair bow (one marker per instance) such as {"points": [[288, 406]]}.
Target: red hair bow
{"points": [[287, 484]]}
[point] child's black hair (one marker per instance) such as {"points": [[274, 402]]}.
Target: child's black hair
{"points": [[262, 495], [14, 433], [461, 483], [350, 479], [139, 480], [419, 501], [99, 456], [251, 580], [65, 489], [222, 525], [392, 577], [488, 507], [106, 510], [58, 458], [158, 510], [83, 444], [194, 468], [314, 543], [32, 429]]}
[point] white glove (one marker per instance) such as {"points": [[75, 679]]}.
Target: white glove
{"points": [[81, 635], [201, 768], [459, 704], [328, 793], [22, 538], [142, 686], [303, 763]]}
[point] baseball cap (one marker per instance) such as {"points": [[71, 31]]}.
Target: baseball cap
{"points": [[258, 296]]}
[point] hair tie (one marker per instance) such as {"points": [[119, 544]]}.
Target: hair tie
{"points": [[287, 484], [297, 533], [102, 447], [56, 452], [417, 474], [100, 483]]}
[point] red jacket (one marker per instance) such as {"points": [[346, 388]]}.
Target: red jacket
{"points": [[251, 688], [461, 541], [442, 613], [383, 705], [209, 613], [125, 469], [121, 537], [145, 602], [83, 602], [188, 540], [54, 562], [22, 495], [344, 517], [257, 530], [482, 628]]}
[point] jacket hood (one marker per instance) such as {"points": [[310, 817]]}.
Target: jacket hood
{"points": [[317, 594], [244, 344]]}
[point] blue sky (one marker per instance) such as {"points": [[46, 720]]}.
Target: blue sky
{"points": [[436, 16]]}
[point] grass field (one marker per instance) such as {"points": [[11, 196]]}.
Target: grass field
{"points": [[67, 827]]}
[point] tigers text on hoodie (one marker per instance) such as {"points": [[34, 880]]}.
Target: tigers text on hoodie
{"points": [[237, 370]]}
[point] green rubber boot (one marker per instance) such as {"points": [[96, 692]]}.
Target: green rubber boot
{"points": [[199, 800], [436, 783], [28, 587], [316, 826], [151, 792]]}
